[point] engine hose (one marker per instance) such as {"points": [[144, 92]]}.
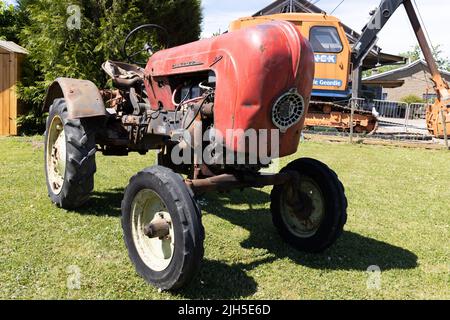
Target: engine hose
{"points": [[196, 114]]}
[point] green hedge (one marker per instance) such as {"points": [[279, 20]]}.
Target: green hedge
{"points": [[57, 51]]}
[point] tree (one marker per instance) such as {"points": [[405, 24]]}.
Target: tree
{"points": [[13, 19], [412, 98], [59, 49], [416, 54], [8, 22], [78, 53]]}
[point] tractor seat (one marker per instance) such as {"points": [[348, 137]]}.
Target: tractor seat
{"points": [[124, 75]]}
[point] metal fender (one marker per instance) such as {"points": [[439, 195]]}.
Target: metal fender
{"points": [[82, 97]]}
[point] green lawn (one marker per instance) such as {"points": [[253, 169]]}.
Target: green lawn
{"points": [[399, 217]]}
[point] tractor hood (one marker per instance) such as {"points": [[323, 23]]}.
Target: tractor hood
{"points": [[257, 69]]}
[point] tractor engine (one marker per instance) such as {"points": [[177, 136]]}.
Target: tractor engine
{"points": [[254, 79], [243, 92]]}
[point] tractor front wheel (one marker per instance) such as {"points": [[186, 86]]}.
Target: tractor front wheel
{"points": [[162, 228], [310, 211]]}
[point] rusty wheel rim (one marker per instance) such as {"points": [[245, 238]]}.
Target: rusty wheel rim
{"points": [[156, 253], [303, 208], [56, 155]]}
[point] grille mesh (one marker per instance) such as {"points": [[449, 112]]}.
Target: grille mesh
{"points": [[288, 110]]}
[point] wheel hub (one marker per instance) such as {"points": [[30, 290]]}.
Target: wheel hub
{"points": [[56, 155], [158, 228], [300, 204], [152, 230], [304, 207]]}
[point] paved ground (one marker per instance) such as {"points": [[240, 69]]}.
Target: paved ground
{"points": [[394, 126]]}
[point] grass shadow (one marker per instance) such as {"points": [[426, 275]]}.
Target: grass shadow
{"points": [[217, 280], [351, 252], [103, 204]]}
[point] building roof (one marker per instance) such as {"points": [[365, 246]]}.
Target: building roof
{"points": [[384, 83], [408, 67], [12, 47], [374, 58]]}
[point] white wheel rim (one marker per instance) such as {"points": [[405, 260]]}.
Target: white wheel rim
{"points": [[56, 155], [156, 253], [309, 227]]}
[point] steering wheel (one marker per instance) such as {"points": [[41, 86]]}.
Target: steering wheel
{"points": [[152, 33]]}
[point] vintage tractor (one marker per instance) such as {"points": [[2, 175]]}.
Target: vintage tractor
{"points": [[217, 111]]}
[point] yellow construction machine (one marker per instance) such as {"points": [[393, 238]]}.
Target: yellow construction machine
{"points": [[336, 61]]}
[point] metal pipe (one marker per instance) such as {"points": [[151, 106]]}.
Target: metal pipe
{"points": [[444, 123], [227, 182], [441, 86], [352, 116]]}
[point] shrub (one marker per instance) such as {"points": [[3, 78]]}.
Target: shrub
{"points": [[55, 51], [31, 124], [412, 99]]}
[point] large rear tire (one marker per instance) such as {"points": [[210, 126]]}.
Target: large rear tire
{"points": [[69, 157], [157, 196], [310, 212]]}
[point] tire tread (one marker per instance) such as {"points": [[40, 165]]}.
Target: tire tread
{"points": [[80, 166], [339, 210], [192, 230]]}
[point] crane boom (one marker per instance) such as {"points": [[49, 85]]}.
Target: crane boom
{"points": [[441, 85], [379, 19], [369, 35]]}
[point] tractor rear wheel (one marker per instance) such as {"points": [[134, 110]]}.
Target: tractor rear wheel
{"points": [[310, 212], [69, 157], [162, 228]]}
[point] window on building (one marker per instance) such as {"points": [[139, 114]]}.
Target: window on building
{"points": [[385, 96], [325, 40]]}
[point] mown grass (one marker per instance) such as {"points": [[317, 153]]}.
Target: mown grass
{"points": [[399, 218]]}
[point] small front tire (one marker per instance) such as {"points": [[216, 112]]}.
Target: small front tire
{"points": [[158, 194]]}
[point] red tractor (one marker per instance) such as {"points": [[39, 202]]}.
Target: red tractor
{"points": [[212, 109]]}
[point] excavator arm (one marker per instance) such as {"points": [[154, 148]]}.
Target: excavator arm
{"points": [[436, 124], [369, 35]]}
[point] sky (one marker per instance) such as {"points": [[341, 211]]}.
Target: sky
{"points": [[396, 37]]}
